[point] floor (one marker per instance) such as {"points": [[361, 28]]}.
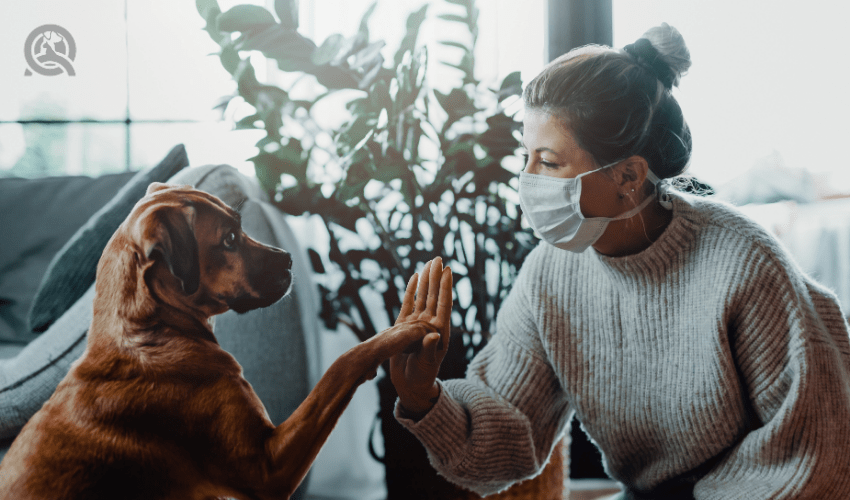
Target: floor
{"points": [[592, 494], [591, 489]]}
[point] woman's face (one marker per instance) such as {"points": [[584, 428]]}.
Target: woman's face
{"points": [[550, 147], [552, 150]]}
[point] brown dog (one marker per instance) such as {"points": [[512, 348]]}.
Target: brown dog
{"points": [[155, 409]]}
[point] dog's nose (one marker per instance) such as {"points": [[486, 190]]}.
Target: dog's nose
{"points": [[281, 258]]}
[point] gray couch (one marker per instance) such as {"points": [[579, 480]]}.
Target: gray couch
{"points": [[278, 347]]}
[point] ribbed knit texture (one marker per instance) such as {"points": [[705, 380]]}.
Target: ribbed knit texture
{"points": [[707, 366]]}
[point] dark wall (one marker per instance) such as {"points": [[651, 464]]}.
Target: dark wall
{"points": [[573, 23]]}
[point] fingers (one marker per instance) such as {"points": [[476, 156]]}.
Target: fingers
{"points": [[422, 293], [430, 345], [433, 289], [398, 364], [409, 294], [444, 307]]}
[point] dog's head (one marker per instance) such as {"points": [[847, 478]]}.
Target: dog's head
{"points": [[192, 254]]}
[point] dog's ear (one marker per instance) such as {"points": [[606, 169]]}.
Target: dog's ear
{"points": [[171, 238], [156, 186]]}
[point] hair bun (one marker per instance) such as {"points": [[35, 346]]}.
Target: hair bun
{"points": [[662, 50], [671, 47]]}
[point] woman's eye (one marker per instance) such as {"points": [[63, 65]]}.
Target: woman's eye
{"points": [[547, 164], [229, 240]]}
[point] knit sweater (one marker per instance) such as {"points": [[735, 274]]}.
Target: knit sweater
{"points": [[707, 366]]}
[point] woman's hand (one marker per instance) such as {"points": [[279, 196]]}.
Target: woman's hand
{"points": [[414, 375]]}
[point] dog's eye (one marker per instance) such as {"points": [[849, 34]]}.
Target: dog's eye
{"points": [[229, 241]]}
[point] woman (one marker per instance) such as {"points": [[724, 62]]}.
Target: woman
{"points": [[698, 357]]}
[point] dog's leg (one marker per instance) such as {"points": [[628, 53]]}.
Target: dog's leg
{"points": [[296, 442]]}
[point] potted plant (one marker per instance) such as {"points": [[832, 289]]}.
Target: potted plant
{"points": [[412, 173]]}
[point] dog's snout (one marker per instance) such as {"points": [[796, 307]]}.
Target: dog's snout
{"points": [[281, 259]]}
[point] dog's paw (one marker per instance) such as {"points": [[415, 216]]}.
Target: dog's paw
{"points": [[403, 337]]}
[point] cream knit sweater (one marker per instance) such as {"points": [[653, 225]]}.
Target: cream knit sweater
{"points": [[707, 366]]}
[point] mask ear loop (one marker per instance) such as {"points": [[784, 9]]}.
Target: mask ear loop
{"points": [[663, 187]]}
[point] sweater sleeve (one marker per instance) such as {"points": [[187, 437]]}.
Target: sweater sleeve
{"points": [[499, 424], [790, 342]]}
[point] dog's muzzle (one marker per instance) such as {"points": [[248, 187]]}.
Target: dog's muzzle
{"points": [[269, 279]]}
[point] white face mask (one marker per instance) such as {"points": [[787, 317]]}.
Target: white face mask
{"points": [[552, 207]]}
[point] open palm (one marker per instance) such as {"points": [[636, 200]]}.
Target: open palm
{"points": [[414, 373]]}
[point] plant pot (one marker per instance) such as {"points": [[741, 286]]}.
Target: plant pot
{"points": [[409, 474]]}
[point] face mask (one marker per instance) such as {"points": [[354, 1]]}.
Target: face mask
{"points": [[552, 207]]}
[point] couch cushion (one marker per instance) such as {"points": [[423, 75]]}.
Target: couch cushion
{"points": [[28, 379], [73, 269], [38, 217]]}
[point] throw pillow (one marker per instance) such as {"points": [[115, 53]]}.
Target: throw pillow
{"points": [[73, 269], [38, 216]]}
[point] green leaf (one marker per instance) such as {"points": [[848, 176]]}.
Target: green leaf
{"points": [[350, 46], [371, 74], [209, 10], [334, 77], [265, 141], [379, 97], [244, 18], [289, 159], [454, 18], [369, 55], [356, 131], [246, 81], [459, 45], [357, 176], [390, 166], [411, 35], [511, 85], [278, 43], [456, 103], [493, 173], [287, 11], [364, 21], [247, 122], [466, 65], [328, 51], [418, 68], [292, 155], [230, 59], [498, 139]]}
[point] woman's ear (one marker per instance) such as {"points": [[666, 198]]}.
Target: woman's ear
{"points": [[630, 174]]}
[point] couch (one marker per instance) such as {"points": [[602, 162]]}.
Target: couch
{"points": [[54, 231]]}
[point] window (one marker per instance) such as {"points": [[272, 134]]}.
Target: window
{"points": [[768, 85], [145, 80], [143, 83]]}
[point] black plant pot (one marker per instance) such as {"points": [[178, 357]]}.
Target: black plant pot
{"points": [[409, 475]]}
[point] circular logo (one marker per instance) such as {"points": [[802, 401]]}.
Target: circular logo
{"points": [[50, 49]]}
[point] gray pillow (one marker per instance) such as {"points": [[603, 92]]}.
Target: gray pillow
{"points": [[73, 269], [38, 216], [28, 379]]}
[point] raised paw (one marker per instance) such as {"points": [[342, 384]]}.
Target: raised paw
{"points": [[403, 337]]}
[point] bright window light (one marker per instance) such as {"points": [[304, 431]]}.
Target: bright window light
{"points": [[768, 83]]}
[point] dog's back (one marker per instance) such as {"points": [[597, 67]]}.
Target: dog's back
{"points": [[116, 428]]}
